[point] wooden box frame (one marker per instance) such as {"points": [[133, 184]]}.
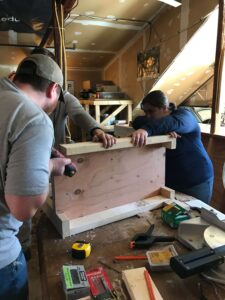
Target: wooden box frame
{"points": [[110, 185]]}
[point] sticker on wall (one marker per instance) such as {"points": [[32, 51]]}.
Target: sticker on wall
{"points": [[148, 63], [70, 87]]}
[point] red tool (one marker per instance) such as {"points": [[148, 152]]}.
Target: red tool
{"points": [[149, 285], [130, 257], [100, 285], [70, 169]]}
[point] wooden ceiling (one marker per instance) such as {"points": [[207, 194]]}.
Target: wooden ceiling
{"points": [[92, 35]]}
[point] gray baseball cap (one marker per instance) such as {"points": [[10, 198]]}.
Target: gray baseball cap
{"points": [[46, 68]]}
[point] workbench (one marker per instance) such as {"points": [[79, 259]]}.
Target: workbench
{"points": [[101, 106], [108, 241]]}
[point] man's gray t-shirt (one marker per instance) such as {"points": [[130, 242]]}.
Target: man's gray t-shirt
{"points": [[26, 137], [72, 108]]}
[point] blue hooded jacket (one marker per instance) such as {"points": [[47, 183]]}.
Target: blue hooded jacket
{"points": [[189, 164]]}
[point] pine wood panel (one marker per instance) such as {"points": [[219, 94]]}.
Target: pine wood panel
{"points": [[136, 285], [110, 178]]}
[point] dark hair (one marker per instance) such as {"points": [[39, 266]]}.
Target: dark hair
{"points": [[38, 83], [44, 51], [158, 99]]}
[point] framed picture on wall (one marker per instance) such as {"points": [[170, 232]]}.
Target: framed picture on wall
{"points": [[148, 63], [70, 86]]}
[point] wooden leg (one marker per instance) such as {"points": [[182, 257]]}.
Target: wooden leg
{"points": [[113, 114], [129, 116], [97, 113]]}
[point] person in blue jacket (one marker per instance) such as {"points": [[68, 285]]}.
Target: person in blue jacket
{"points": [[188, 167]]}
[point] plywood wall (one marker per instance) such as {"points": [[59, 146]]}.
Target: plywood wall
{"points": [[215, 146], [10, 58], [168, 32], [78, 76], [128, 70], [113, 72], [197, 10]]}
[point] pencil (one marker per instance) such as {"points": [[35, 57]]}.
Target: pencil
{"points": [[149, 285], [130, 257]]}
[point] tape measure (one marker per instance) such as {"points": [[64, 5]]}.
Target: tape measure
{"points": [[81, 249]]}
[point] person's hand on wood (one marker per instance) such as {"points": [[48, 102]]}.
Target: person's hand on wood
{"points": [[100, 136], [175, 135], [139, 137]]}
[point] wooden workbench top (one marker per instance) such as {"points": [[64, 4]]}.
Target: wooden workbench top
{"points": [[107, 242]]}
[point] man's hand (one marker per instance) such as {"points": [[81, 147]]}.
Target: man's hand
{"points": [[57, 165], [100, 136], [175, 135], [139, 137]]}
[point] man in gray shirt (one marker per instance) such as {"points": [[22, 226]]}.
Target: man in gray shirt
{"points": [[26, 136], [71, 107]]}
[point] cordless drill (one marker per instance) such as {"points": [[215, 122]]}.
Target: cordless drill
{"points": [[70, 169]]}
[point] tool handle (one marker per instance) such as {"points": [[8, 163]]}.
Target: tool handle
{"points": [[164, 239], [130, 257], [70, 169], [150, 230], [149, 285]]}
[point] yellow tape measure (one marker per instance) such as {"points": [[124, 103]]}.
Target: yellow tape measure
{"points": [[81, 249]]}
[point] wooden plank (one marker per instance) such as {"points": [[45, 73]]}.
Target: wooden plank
{"points": [[218, 69], [114, 214], [167, 192], [113, 114], [77, 225], [109, 179], [122, 143], [105, 102], [59, 220], [97, 113], [129, 116], [136, 284]]}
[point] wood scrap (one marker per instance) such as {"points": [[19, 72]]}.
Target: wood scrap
{"points": [[135, 282]]}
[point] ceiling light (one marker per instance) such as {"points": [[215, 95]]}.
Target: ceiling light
{"points": [[174, 3]]}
